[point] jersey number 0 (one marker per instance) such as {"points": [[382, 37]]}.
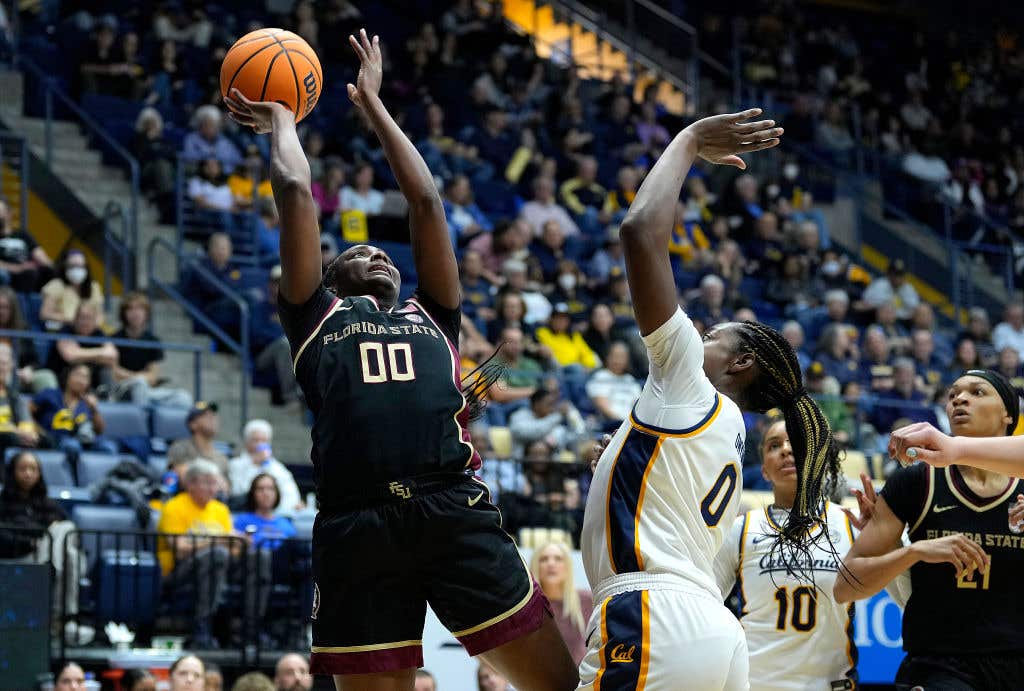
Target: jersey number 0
{"points": [[378, 370]]}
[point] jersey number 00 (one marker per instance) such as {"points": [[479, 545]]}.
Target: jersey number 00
{"points": [[377, 369]]}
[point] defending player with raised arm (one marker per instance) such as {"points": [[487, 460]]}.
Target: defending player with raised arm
{"points": [[393, 462], [922, 442]]}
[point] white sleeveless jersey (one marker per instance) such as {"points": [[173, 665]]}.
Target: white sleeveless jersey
{"points": [[799, 637], [667, 487]]}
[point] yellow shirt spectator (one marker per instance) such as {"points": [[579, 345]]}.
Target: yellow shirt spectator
{"points": [[687, 240], [241, 187], [182, 516], [567, 348]]}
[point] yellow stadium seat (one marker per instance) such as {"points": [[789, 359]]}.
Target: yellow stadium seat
{"points": [[501, 441], [855, 463]]}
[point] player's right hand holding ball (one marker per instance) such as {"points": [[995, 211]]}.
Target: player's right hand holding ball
{"points": [[261, 116]]}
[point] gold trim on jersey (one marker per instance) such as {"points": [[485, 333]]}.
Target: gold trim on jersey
{"points": [[927, 500], [640, 504], [778, 528], [991, 503], [645, 639], [336, 306], [504, 615], [712, 416], [851, 608], [739, 568], [604, 644], [363, 648]]}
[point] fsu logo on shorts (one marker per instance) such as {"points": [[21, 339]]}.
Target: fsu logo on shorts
{"points": [[316, 600], [414, 318]]}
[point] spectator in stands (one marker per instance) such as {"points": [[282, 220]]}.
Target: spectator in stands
{"points": [[1009, 365], [509, 240], [791, 290], [260, 521], [549, 249], [210, 192], [16, 425], [1009, 333], [551, 567], [170, 87], [607, 260], [258, 458], [567, 346], [361, 196], [31, 377], [924, 164], [250, 182], [477, 291], [327, 189], [465, 219], [72, 286], [272, 354], [515, 278], [69, 417], [764, 252], [904, 401], [979, 329], [601, 333], [137, 371], [291, 673], [254, 681], [548, 418], [197, 560], [522, 373], [838, 353], [188, 673], [837, 305], [71, 676], [571, 288], [268, 229], [156, 157], [101, 62], [38, 531], [328, 250], [424, 681], [214, 680], [965, 357], [543, 208], [207, 141], [708, 308], [893, 287], [621, 196], [730, 265], [875, 372], [100, 358], [138, 679], [924, 318], [22, 260], [885, 319], [929, 366], [832, 133], [794, 334], [612, 389], [511, 312], [487, 678], [202, 292], [493, 142], [203, 425], [584, 196]]}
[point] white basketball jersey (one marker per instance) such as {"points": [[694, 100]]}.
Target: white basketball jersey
{"points": [[667, 487], [799, 637]]}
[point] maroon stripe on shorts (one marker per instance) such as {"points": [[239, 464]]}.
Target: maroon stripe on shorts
{"points": [[527, 620], [367, 661]]}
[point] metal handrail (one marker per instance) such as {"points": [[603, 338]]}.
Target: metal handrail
{"points": [[197, 351], [50, 91], [111, 211], [239, 348]]}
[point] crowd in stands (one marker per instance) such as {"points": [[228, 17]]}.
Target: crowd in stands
{"points": [[537, 168]]}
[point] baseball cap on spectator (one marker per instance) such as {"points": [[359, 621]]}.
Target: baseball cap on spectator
{"points": [[815, 371], [200, 408], [275, 273], [560, 308], [897, 267]]}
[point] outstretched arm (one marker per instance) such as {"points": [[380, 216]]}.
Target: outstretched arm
{"points": [[431, 244], [647, 227], [922, 442], [291, 181]]}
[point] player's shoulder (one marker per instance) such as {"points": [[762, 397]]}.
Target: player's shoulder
{"points": [[909, 477]]}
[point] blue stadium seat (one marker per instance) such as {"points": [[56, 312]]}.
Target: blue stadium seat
{"points": [[93, 467], [102, 525], [169, 423], [124, 420], [54, 464], [157, 462], [304, 524]]}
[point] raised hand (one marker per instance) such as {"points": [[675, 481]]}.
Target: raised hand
{"points": [[371, 69], [720, 138], [259, 115], [922, 442], [865, 502]]}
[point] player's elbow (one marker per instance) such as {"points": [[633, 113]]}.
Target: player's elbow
{"points": [[841, 591]]}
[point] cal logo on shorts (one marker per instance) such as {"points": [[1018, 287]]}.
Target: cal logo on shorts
{"points": [[625, 638]]}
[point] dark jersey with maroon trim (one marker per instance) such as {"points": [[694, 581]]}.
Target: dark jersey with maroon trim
{"points": [[946, 614], [384, 389]]}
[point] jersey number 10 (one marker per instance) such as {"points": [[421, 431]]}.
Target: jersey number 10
{"points": [[805, 608], [377, 369]]}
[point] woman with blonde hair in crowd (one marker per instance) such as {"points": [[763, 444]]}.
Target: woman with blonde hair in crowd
{"points": [[551, 566]]}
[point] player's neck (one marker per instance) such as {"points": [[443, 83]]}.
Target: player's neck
{"points": [[983, 480], [783, 500]]}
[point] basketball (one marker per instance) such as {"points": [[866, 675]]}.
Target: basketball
{"points": [[273, 65]]}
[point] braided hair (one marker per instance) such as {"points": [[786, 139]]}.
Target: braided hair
{"points": [[779, 384]]}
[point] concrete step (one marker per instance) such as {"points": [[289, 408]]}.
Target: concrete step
{"points": [[79, 159]]}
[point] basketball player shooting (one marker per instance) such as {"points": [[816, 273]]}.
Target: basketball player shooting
{"points": [[403, 522]]}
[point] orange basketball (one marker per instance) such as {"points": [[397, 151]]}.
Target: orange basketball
{"points": [[274, 65]]}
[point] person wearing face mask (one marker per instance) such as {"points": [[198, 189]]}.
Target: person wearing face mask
{"points": [[73, 286], [22, 261], [258, 458], [570, 288]]}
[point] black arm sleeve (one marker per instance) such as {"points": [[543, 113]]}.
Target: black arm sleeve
{"points": [[299, 321], [906, 490]]}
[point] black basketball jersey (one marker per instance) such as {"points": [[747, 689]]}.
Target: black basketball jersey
{"points": [[384, 388], [946, 614]]}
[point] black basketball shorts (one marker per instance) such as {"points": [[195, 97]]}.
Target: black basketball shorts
{"points": [[940, 672], [375, 569]]}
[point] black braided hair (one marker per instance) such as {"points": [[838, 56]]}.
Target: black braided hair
{"points": [[330, 278], [779, 384], [477, 382]]}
